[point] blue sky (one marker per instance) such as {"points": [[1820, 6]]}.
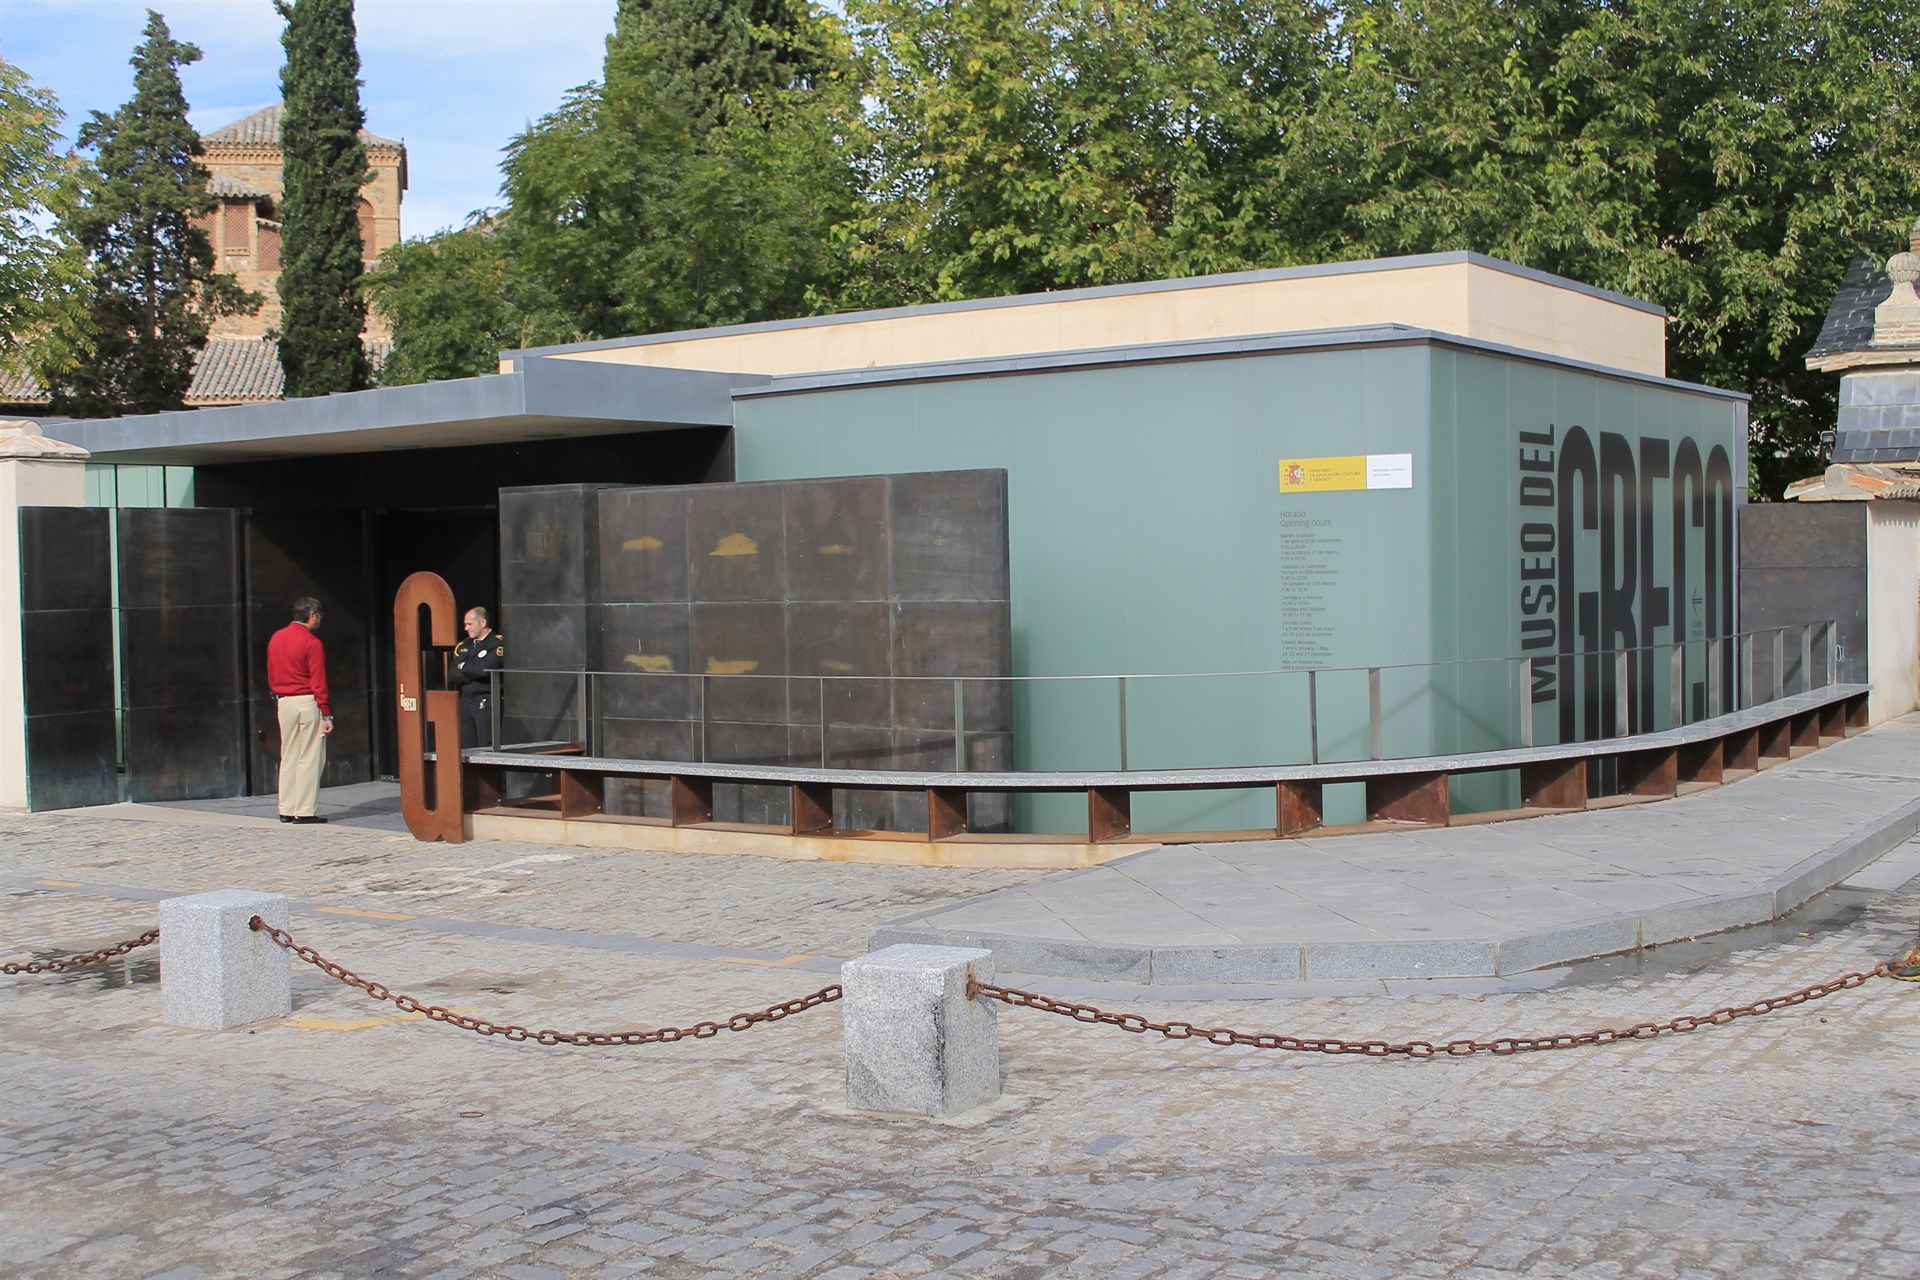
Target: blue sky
{"points": [[455, 79]]}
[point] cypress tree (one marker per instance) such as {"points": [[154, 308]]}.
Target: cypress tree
{"points": [[322, 310], [154, 291]]}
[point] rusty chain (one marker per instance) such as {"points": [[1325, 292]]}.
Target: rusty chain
{"points": [[1452, 1048], [85, 958], [510, 1031]]}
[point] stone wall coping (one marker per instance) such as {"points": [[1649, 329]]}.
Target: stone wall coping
{"points": [[1179, 779]]}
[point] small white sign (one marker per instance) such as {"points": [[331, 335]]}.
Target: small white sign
{"points": [[1389, 471]]}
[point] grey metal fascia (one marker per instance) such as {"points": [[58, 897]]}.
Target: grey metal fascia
{"points": [[541, 389], [1360, 267], [497, 395], [1389, 335]]}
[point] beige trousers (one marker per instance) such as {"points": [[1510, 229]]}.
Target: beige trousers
{"points": [[303, 753]]}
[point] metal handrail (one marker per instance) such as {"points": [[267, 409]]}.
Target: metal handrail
{"points": [[1721, 658]]}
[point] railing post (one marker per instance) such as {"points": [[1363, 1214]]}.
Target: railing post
{"points": [[1120, 692], [1526, 702], [1376, 734], [1715, 677], [1678, 680], [823, 722], [1744, 680], [1313, 717], [1833, 655], [1806, 658], [1779, 663], [1622, 698], [493, 709], [959, 727], [580, 710], [703, 716]]}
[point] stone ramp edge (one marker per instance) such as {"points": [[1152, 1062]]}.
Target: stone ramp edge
{"points": [[1413, 959]]}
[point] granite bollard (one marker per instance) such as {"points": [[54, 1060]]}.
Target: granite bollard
{"points": [[916, 1044], [215, 971]]}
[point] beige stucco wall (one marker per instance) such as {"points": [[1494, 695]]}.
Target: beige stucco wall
{"points": [[1466, 298], [1893, 608], [24, 482]]}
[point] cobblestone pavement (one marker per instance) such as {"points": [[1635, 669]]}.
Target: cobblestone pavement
{"points": [[353, 1141]]}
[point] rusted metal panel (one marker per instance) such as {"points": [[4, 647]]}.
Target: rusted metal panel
{"points": [[1109, 813], [1297, 808], [1554, 784], [1412, 797], [431, 793]]}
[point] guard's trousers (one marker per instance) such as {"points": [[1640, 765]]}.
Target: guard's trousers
{"points": [[303, 754]]}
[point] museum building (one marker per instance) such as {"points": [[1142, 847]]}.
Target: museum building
{"points": [[1399, 506]]}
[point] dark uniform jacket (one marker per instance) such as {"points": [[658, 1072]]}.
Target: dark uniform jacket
{"points": [[472, 659]]}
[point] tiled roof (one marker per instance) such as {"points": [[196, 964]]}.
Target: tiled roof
{"points": [[237, 369], [225, 188], [229, 369], [263, 127], [17, 387]]}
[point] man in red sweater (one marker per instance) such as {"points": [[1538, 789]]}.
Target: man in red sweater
{"points": [[297, 674]]}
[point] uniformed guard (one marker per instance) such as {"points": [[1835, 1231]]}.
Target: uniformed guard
{"points": [[483, 651]]}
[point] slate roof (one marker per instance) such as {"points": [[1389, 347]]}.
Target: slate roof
{"points": [[1849, 325], [263, 128], [229, 370]]}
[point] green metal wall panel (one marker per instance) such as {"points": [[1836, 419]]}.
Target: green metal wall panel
{"points": [[1149, 534]]}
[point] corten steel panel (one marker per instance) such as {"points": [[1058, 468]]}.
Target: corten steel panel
{"points": [[949, 640], [747, 640], [829, 640], [66, 658], [184, 675], [542, 639], [737, 538], [837, 539], [544, 550], [178, 557], [648, 739], [67, 661], [949, 535], [764, 744], [182, 657], [184, 751], [858, 747], [644, 554], [70, 761], [323, 554], [63, 559], [650, 647]]}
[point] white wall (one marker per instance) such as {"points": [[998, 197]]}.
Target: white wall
{"points": [[1893, 608]]}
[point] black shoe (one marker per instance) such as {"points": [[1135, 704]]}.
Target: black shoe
{"points": [[309, 820], [286, 817]]}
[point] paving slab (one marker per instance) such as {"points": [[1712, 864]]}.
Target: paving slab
{"points": [[1477, 901]]}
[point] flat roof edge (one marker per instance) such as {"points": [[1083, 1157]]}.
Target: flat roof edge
{"points": [[1203, 349], [1356, 267]]}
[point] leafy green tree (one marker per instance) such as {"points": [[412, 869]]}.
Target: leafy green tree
{"points": [[1722, 159], [322, 309], [696, 184], [455, 301], [39, 271], [1060, 143], [153, 292]]}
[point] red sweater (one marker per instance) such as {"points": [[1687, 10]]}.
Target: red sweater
{"points": [[297, 663]]}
